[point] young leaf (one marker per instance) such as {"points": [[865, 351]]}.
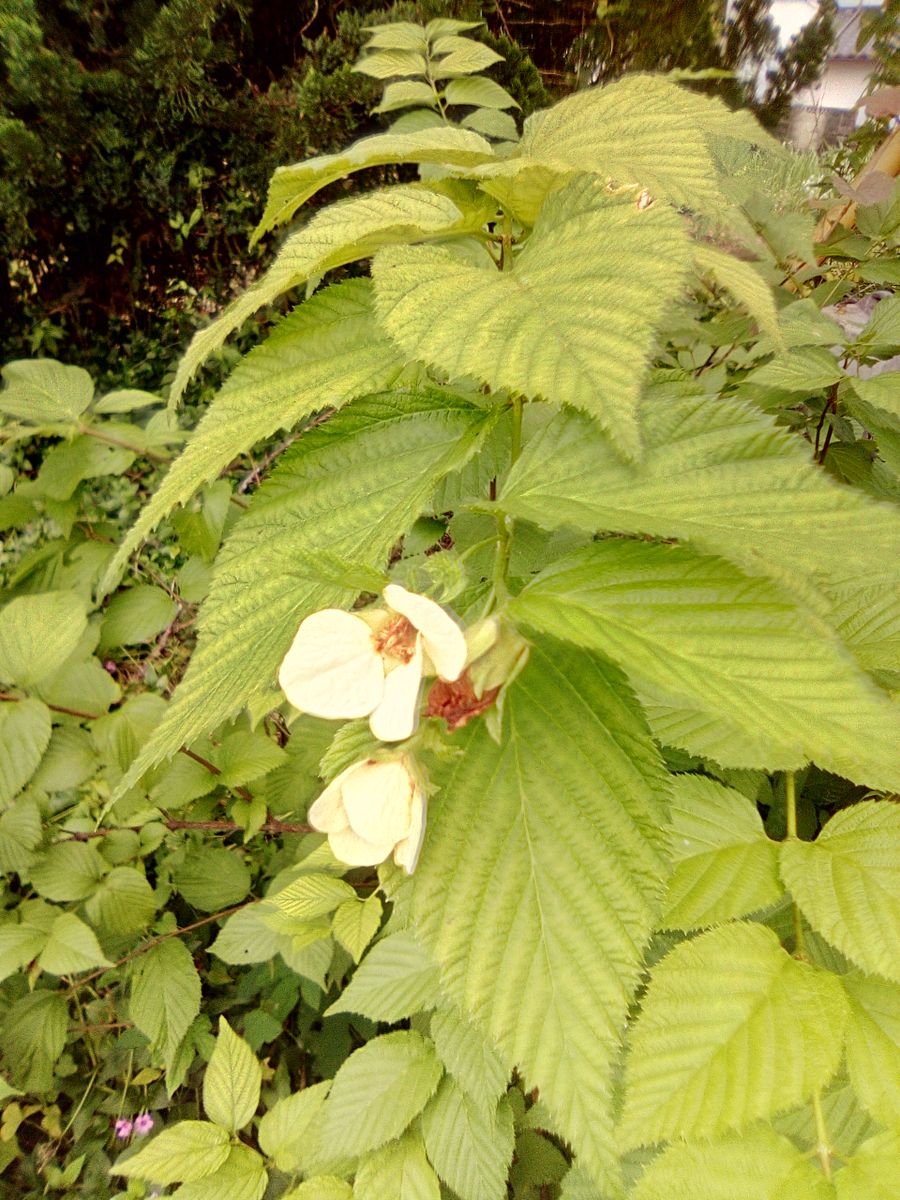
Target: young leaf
{"points": [[355, 923], [478, 92], [165, 996], [735, 669], [122, 902], [560, 318], [397, 1171], [873, 1045], [759, 1165], [344, 233], [724, 866], [19, 944], [245, 938], [396, 979], [406, 93], [391, 63], [731, 1029], [242, 1176], [396, 35], [469, 1056], [290, 187], [350, 488], [806, 369], [37, 634], [469, 1149], [716, 472], [232, 1081], [25, 730], [312, 896], [538, 882], [847, 885], [378, 1090], [21, 832], [461, 56], [187, 1151], [68, 871], [71, 947]]}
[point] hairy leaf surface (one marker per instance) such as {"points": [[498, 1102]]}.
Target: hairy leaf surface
{"points": [[873, 1045]]}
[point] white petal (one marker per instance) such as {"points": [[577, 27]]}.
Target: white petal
{"points": [[397, 716], [377, 800], [332, 668], [327, 812], [406, 853], [348, 847], [445, 643]]}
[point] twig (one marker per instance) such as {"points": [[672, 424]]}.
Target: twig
{"points": [[217, 826]]}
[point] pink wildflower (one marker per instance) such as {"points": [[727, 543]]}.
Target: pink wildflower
{"points": [[143, 1124], [123, 1128]]}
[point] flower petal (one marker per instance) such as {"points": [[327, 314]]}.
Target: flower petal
{"points": [[350, 848], [444, 641], [327, 812], [377, 800], [332, 669], [397, 716], [406, 853]]}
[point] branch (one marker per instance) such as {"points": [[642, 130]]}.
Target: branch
{"points": [[222, 826]]}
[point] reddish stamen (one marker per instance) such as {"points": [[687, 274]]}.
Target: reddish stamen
{"points": [[397, 640]]}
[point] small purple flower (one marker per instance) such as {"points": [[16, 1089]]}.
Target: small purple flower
{"points": [[123, 1129], [143, 1124]]}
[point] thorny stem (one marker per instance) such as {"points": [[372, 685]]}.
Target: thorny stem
{"points": [[223, 826]]}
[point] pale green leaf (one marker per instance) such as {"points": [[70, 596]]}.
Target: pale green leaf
{"points": [[866, 615], [126, 400], [165, 996], [245, 938], [469, 1056], [760, 1165], [136, 615], [68, 761], [391, 63], [492, 123], [882, 333], [396, 979], [478, 92], [84, 686], [406, 93], [122, 902], [724, 866], [245, 756], [441, 26], [873, 1045], [397, 1171], [560, 319], [25, 730], [377, 1091], [872, 1172], [846, 1120], [396, 35], [745, 284], [311, 896], [355, 923], [290, 187], [321, 1187], [847, 885], [21, 832], [19, 944], [538, 882], [68, 871], [232, 1081], [284, 1130], [349, 487], [461, 56], [71, 947], [33, 1036], [242, 1176], [578, 1186], [345, 232], [875, 405], [37, 634], [715, 471], [471, 1150], [804, 369], [731, 1029], [212, 877], [66, 464], [120, 735], [187, 1151], [728, 665], [43, 392]]}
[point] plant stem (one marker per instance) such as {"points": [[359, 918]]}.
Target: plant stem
{"points": [[90, 431], [790, 798], [823, 1145], [515, 441]]}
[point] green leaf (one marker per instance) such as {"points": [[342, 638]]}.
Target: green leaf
{"points": [[65, 465], [21, 832], [37, 634], [122, 903], [873, 1045], [245, 756], [68, 762], [874, 403], [469, 1056], [290, 187], [882, 333], [165, 998], [872, 1172], [350, 488], [126, 400], [84, 686], [24, 736], [847, 1122], [321, 1187], [745, 284], [68, 871], [355, 923], [396, 35], [397, 1171], [728, 666], [242, 1176], [469, 1149], [245, 938], [715, 471], [19, 944], [211, 878], [492, 123], [44, 392], [478, 92], [71, 947], [136, 615], [390, 63], [760, 1165], [461, 56], [397, 978], [187, 1151], [539, 878], [120, 735], [577, 1186], [311, 896], [33, 1036], [232, 1081], [285, 1129], [724, 866], [377, 1091], [847, 885], [560, 318], [728, 1007], [343, 233], [806, 369], [406, 93]]}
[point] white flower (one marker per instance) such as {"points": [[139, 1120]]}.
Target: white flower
{"points": [[370, 810], [370, 664]]}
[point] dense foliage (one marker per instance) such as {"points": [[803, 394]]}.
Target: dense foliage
{"points": [[598, 399]]}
